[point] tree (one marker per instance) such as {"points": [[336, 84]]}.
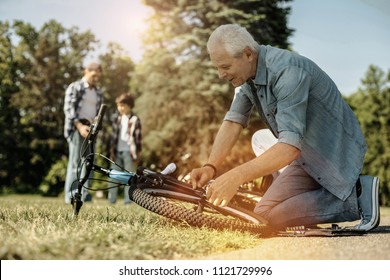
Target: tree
{"points": [[117, 72], [181, 101], [9, 117], [371, 104], [36, 72]]}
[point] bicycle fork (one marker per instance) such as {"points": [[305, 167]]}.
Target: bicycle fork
{"points": [[77, 201]]}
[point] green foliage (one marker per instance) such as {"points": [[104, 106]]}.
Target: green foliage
{"points": [[36, 66], [53, 183], [117, 72], [182, 102], [371, 104], [36, 71], [9, 116]]}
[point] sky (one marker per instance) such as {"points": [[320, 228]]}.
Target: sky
{"points": [[342, 36]]}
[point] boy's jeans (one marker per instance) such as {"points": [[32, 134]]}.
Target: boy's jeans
{"points": [[124, 160]]}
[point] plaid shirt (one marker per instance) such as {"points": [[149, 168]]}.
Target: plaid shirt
{"points": [[135, 136], [74, 96]]}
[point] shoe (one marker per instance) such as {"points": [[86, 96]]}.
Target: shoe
{"points": [[68, 200], [88, 198], [368, 203]]}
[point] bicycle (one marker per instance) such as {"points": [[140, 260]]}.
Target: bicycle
{"points": [[167, 196]]}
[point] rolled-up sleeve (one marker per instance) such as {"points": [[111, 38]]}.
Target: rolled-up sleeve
{"points": [[241, 107], [292, 87], [290, 138]]}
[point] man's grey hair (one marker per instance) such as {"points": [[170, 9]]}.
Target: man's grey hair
{"points": [[233, 37]]}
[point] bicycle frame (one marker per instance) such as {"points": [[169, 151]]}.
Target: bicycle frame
{"points": [[158, 192]]}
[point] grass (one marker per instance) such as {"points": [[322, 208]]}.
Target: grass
{"points": [[38, 228]]}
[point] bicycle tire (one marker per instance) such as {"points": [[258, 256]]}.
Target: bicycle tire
{"points": [[155, 200], [234, 209]]}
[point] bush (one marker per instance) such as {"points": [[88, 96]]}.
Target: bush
{"points": [[53, 183]]}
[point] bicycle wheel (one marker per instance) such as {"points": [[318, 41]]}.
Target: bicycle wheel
{"points": [[195, 211]]}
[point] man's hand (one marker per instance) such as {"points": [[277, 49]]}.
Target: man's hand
{"points": [[83, 129], [201, 176], [222, 189]]}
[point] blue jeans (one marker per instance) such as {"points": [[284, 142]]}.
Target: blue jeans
{"points": [[294, 198], [124, 160], [74, 142]]}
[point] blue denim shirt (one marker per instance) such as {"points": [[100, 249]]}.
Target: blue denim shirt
{"points": [[303, 108]]}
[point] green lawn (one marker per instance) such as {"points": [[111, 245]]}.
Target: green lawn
{"points": [[38, 228]]}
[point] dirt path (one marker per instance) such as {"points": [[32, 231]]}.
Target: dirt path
{"points": [[372, 246]]}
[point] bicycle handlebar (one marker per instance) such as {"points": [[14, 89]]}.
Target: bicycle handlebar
{"points": [[97, 125]]}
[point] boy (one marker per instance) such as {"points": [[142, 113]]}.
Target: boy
{"points": [[125, 141]]}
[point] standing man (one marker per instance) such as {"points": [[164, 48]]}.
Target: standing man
{"points": [[82, 103], [319, 140]]}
